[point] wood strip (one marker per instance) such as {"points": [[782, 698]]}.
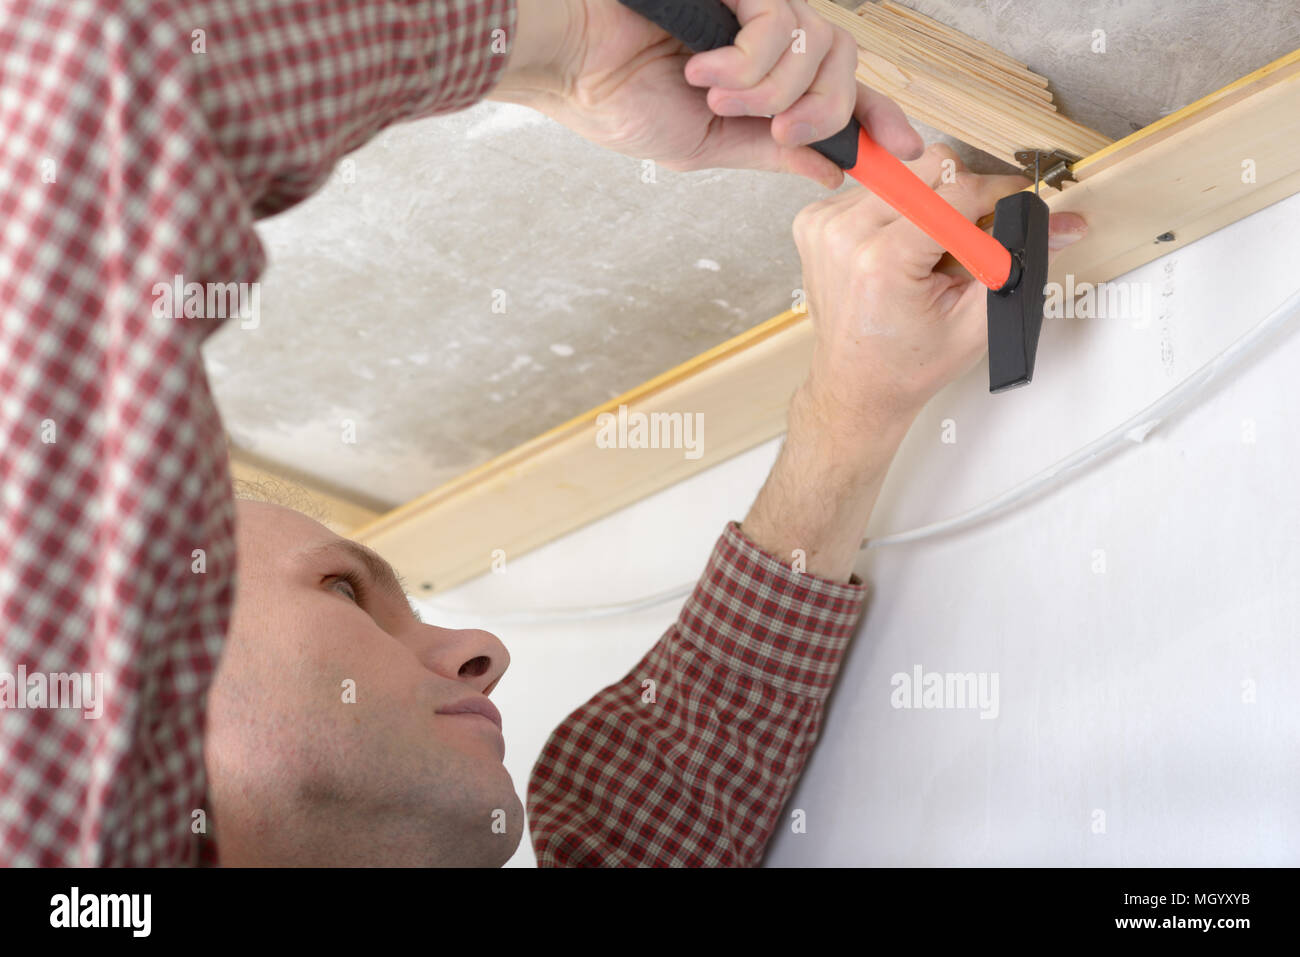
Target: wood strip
{"points": [[1022, 82], [1184, 174], [957, 38], [958, 85], [1181, 174]]}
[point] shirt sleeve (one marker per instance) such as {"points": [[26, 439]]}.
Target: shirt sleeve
{"points": [[140, 142], [689, 759]]}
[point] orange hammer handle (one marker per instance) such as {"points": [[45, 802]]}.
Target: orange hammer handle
{"points": [[885, 175]]}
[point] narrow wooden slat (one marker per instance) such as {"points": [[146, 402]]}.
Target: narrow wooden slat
{"points": [[958, 85]]}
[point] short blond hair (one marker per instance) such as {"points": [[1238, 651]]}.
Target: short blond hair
{"points": [[276, 491]]}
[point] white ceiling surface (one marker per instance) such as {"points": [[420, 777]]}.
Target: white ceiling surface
{"points": [[377, 309]]}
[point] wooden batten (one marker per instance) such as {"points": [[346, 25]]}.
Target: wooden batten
{"points": [[958, 85]]}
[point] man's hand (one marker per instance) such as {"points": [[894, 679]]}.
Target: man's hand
{"points": [[892, 326], [623, 83]]}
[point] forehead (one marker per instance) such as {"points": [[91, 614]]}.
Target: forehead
{"points": [[278, 539], [263, 527]]}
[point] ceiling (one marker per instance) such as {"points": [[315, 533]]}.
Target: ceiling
{"points": [[382, 308]]}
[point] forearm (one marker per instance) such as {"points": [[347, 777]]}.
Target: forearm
{"points": [[820, 494]]}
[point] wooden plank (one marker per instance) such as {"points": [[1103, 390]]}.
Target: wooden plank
{"points": [[959, 39], [336, 510], [956, 84], [1183, 174]]}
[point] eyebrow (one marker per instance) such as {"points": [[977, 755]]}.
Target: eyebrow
{"points": [[377, 570]]}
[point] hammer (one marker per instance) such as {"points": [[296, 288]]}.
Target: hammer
{"points": [[1012, 262]]}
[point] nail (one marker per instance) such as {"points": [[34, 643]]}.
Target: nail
{"points": [[802, 134], [1065, 230], [1059, 240]]}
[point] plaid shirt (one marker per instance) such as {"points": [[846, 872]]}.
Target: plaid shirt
{"points": [[139, 142], [689, 759]]}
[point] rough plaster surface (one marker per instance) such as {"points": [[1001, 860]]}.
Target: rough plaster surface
{"points": [[383, 304], [377, 313]]}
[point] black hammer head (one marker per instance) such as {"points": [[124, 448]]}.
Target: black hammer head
{"points": [[1016, 311]]}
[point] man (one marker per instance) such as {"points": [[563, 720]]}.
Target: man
{"points": [[344, 731], [139, 143]]}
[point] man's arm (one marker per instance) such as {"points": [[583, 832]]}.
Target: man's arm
{"points": [[699, 774]]}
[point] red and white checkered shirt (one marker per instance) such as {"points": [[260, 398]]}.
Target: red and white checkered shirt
{"points": [[689, 759], [139, 141]]}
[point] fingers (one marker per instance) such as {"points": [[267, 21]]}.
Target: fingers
{"points": [[830, 100], [846, 220], [857, 216], [974, 195], [790, 64], [970, 194], [886, 123], [869, 211], [747, 143], [937, 164], [765, 35]]}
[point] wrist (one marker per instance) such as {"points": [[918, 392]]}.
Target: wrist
{"points": [[853, 430], [545, 45], [818, 499]]}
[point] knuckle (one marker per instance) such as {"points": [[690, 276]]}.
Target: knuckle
{"points": [[843, 108], [750, 74], [843, 231], [962, 185], [810, 223], [765, 100], [849, 47], [868, 259], [803, 223], [823, 34], [773, 98], [941, 151]]}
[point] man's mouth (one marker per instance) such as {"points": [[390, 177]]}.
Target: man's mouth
{"points": [[479, 705]]}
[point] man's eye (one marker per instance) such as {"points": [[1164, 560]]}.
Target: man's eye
{"points": [[348, 586]]}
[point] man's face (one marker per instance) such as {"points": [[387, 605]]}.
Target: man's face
{"points": [[327, 743]]}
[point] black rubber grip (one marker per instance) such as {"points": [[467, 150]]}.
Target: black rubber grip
{"points": [[700, 24], [708, 24]]}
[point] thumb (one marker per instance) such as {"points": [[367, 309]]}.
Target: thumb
{"points": [[746, 142]]}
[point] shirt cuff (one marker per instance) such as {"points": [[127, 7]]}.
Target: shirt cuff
{"points": [[758, 616], [467, 48]]}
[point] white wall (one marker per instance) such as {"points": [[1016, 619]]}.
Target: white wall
{"points": [[1119, 691]]}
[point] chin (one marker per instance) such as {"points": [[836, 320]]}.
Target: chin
{"points": [[507, 822]]}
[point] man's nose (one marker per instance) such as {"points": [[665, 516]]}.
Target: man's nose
{"points": [[470, 655]]}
